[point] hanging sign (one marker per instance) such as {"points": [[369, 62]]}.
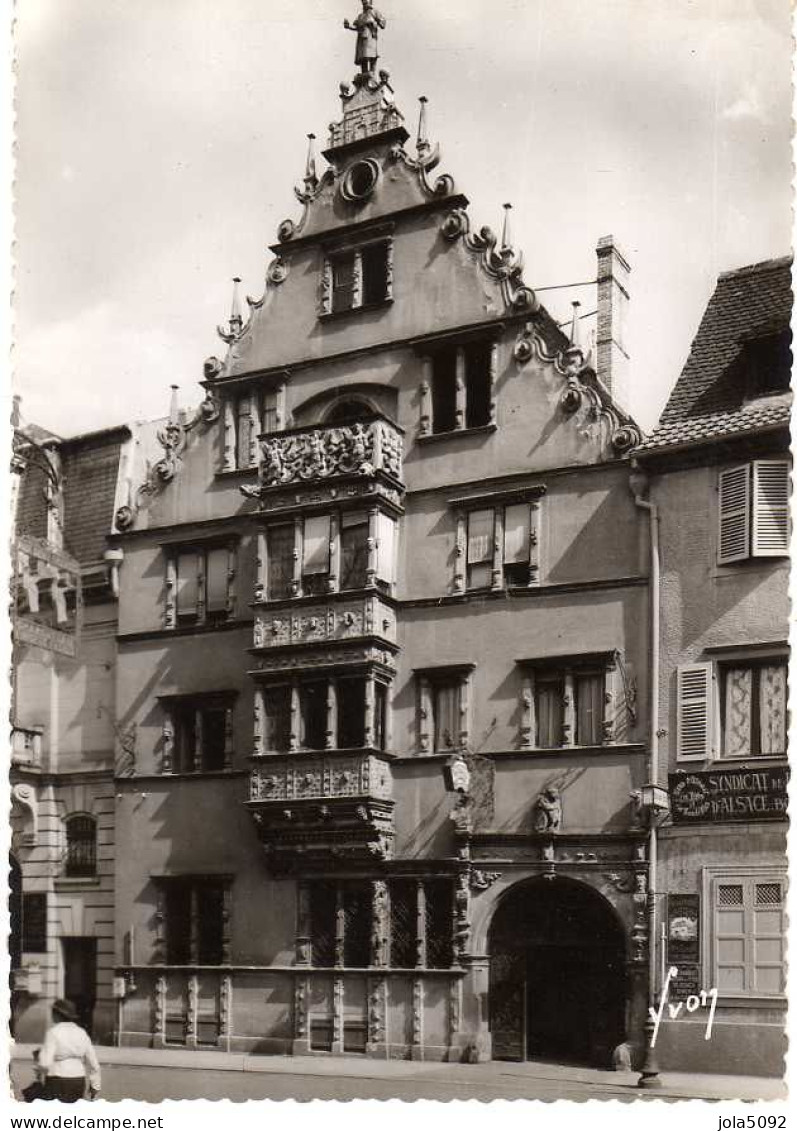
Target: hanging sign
{"points": [[714, 796]]}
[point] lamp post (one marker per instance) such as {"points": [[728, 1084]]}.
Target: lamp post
{"points": [[653, 802]]}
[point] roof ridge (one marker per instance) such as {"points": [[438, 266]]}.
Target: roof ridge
{"points": [[762, 265]]}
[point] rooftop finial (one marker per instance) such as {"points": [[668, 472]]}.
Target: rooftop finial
{"points": [[367, 26], [236, 321], [174, 407], [422, 142], [310, 175], [506, 235], [16, 415], [575, 329]]}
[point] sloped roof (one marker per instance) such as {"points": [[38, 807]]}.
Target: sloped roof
{"points": [[708, 401]]}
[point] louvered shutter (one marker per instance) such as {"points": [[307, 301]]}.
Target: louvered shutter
{"points": [[770, 508], [695, 712], [734, 514]]}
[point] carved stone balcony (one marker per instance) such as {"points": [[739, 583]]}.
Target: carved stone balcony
{"points": [[323, 809], [326, 623], [360, 455]]}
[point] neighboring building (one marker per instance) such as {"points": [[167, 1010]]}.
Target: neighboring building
{"points": [[64, 738], [719, 471], [383, 646]]}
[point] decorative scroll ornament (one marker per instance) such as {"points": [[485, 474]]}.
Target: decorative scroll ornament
{"points": [[505, 263], [480, 881], [583, 390]]}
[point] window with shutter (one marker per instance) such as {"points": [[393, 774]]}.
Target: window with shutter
{"points": [[770, 508], [187, 585], [480, 548], [695, 712], [386, 548], [734, 514], [280, 542], [216, 583], [315, 566]]}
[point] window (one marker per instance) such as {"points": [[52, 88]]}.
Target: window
{"points": [[279, 547], [767, 364], [753, 511], [732, 709], [194, 913], [462, 381], [569, 702], [247, 417], [81, 846], [421, 923], [315, 560], [197, 734], [443, 708], [199, 585], [340, 551], [340, 923], [34, 922], [341, 713], [499, 546], [748, 919], [358, 278]]}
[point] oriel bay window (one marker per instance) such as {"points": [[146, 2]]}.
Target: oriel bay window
{"points": [[193, 917], [458, 387], [567, 702], [316, 554], [497, 544], [200, 584], [197, 733], [338, 712]]}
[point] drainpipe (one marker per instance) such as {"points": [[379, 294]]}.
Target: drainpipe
{"points": [[639, 484]]}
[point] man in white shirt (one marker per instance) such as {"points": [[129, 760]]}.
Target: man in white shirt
{"points": [[67, 1057]]}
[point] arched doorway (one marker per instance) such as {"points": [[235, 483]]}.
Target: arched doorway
{"points": [[557, 974]]}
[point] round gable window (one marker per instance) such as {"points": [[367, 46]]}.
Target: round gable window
{"points": [[360, 180]]}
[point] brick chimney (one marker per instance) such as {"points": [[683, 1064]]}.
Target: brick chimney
{"points": [[612, 364]]}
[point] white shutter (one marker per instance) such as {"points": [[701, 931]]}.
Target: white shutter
{"points": [[480, 536], [734, 514], [316, 544], [770, 508], [516, 533], [385, 548], [695, 712]]}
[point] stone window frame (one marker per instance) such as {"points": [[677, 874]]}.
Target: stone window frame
{"points": [[200, 547], [255, 395], [427, 349], [712, 876], [354, 247], [372, 678], [608, 662], [497, 501], [425, 680], [372, 579], [199, 701]]}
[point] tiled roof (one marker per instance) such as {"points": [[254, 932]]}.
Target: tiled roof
{"points": [[90, 470], [708, 400]]}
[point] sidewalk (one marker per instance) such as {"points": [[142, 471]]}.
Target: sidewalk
{"points": [[512, 1077]]}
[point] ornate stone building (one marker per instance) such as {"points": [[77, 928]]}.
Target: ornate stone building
{"points": [[383, 646], [718, 468]]}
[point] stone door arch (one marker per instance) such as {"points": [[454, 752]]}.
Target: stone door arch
{"points": [[558, 981]]}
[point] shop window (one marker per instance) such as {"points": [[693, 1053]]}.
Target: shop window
{"points": [[198, 733], [199, 585], [81, 846], [194, 920], [732, 709], [753, 511], [748, 915]]}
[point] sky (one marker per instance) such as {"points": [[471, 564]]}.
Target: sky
{"points": [[158, 143]]}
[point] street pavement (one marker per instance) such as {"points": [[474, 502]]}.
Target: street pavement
{"points": [[147, 1075]]}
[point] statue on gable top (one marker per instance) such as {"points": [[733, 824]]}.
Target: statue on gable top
{"points": [[367, 26]]}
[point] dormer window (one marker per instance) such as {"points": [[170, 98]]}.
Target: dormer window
{"points": [[767, 362], [357, 278]]}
